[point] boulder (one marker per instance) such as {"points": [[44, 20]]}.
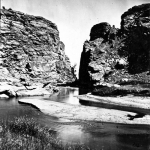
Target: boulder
{"points": [[34, 92], [6, 89]]}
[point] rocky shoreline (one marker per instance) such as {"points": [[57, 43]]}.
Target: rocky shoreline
{"points": [[7, 90]]}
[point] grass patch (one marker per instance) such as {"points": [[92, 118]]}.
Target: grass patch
{"points": [[133, 82], [122, 91], [25, 134]]}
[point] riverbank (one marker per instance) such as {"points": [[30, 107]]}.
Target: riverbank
{"points": [[10, 89], [94, 134], [86, 113], [126, 103], [24, 133]]}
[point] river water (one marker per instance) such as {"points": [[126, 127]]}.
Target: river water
{"points": [[96, 135]]}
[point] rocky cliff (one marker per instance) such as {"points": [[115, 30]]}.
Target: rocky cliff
{"points": [[31, 50], [99, 55], [113, 56], [135, 26]]}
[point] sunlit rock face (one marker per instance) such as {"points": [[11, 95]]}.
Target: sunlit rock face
{"points": [[30, 48], [99, 55], [115, 55]]}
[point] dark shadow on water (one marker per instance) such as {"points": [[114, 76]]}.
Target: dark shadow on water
{"points": [[96, 135], [133, 141], [33, 106], [84, 91]]}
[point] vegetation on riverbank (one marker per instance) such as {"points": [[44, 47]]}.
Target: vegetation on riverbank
{"points": [[123, 90], [24, 133]]}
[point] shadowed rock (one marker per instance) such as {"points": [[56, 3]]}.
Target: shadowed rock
{"points": [[115, 55]]}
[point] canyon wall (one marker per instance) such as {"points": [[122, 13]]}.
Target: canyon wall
{"points": [[115, 55], [31, 50]]}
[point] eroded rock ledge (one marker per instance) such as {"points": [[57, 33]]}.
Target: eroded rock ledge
{"points": [[113, 56]]}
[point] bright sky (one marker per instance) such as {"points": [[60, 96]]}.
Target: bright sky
{"points": [[74, 18]]}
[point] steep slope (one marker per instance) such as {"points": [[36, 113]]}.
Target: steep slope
{"points": [[31, 50], [99, 55], [113, 56], [135, 24]]}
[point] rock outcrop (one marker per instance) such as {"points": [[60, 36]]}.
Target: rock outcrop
{"points": [[113, 56], [31, 50], [135, 25], [99, 55]]}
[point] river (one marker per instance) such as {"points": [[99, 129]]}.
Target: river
{"points": [[96, 135]]}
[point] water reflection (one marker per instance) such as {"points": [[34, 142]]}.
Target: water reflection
{"points": [[107, 136], [9, 108], [77, 134], [66, 95], [133, 141], [97, 135], [73, 133]]}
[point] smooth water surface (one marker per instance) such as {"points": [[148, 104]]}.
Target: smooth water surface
{"points": [[96, 135]]}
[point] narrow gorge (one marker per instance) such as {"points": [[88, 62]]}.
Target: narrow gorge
{"points": [[106, 108]]}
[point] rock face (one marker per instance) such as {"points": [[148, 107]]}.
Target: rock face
{"points": [[99, 55], [135, 25], [31, 50], [117, 55]]}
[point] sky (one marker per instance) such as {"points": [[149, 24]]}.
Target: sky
{"points": [[75, 18]]}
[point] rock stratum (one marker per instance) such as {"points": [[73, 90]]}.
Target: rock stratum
{"points": [[31, 50], [32, 57], [118, 56]]}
